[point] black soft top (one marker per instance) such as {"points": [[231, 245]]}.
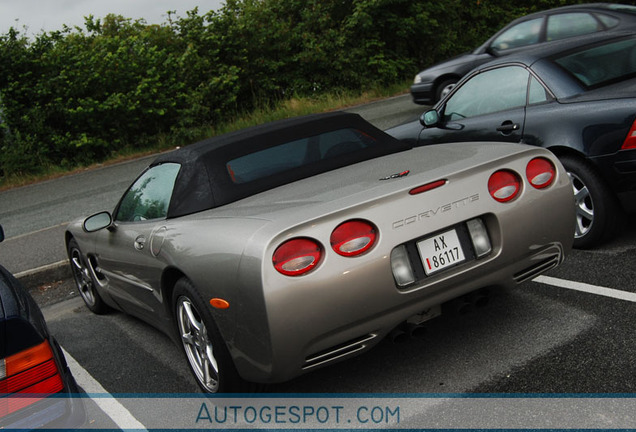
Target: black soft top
{"points": [[204, 181]]}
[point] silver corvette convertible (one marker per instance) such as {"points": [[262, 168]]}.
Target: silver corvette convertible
{"points": [[279, 249]]}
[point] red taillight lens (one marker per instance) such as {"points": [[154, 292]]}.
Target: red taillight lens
{"points": [[540, 173], [30, 372], [353, 238], [504, 185], [630, 139], [297, 256]]}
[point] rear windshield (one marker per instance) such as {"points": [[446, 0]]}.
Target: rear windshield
{"points": [[602, 65], [296, 154]]}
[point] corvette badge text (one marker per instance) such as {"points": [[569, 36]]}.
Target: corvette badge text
{"points": [[444, 208], [396, 175]]}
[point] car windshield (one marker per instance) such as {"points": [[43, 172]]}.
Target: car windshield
{"points": [[602, 65], [296, 154]]}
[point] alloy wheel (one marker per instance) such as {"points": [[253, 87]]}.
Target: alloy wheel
{"points": [[584, 206], [82, 277], [197, 344]]}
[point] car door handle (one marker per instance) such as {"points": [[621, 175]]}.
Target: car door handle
{"points": [[140, 243], [508, 127]]}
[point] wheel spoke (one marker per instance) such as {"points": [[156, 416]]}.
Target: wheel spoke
{"points": [[187, 339], [77, 263], [580, 195], [207, 375], [192, 320], [209, 354], [87, 292], [209, 366], [583, 212], [81, 284], [581, 228]]}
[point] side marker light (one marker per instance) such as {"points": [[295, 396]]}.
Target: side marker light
{"points": [[218, 303]]}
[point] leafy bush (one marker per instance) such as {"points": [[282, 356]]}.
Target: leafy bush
{"points": [[79, 95]]}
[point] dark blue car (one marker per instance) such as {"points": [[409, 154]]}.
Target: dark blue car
{"points": [[35, 382]]}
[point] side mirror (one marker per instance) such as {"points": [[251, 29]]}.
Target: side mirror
{"points": [[430, 119], [1, 233], [98, 222], [491, 50]]}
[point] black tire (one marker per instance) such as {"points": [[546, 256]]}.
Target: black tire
{"points": [[598, 213], [84, 280], [203, 345], [444, 87]]}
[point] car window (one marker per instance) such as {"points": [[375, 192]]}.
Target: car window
{"points": [[608, 21], [522, 34], [567, 25], [268, 162], [296, 154], [601, 65], [494, 90], [149, 197], [536, 92]]}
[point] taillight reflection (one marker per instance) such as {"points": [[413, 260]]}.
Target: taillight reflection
{"points": [[353, 238], [504, 185], [630, 139], [297, 256], [33, 372]]}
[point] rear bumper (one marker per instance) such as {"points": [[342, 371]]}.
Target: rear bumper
{"points": [[423, 93], [619, 170], [313, 344], [60, 411]]}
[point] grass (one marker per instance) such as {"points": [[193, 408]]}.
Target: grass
{"points": [[296, 106]]}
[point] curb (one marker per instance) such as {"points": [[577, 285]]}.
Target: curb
{"points": [[32, 279]]}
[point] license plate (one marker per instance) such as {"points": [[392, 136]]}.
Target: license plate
{"points": [[440, 252]]}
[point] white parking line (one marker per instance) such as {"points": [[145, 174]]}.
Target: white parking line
{"points": [[583, 287], [113, 409]]}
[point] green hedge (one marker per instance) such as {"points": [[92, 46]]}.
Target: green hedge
{"points": [[79, 95]]}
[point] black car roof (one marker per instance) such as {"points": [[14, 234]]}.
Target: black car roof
{"points": [[625, 13], [592, 7], [203, 181], [550, 49]]}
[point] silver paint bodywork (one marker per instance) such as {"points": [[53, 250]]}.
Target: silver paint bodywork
{"points": [[278, 327]]}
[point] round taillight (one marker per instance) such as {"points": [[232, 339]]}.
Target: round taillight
{"points": [[504, 185], [297, 256], [353, 238], [540, 172]]}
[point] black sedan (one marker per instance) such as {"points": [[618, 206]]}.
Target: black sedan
{"points": [[35, 382], [577, 99], [431, 84]]}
